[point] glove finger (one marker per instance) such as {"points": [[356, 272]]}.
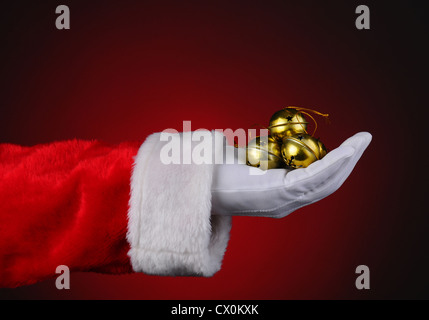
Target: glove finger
{"points": [[302, 185], [302, 181], [359, 142], [325, 176]]}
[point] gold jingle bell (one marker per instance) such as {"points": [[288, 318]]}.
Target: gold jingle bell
{"points": [[301, 150], [287, 122], [322, 149], [264, 153]]}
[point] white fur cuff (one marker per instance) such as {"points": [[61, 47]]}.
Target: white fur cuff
{"points": [[170, 227]]}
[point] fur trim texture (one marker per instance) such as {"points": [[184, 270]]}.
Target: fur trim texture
{"points": [[170, 227]]}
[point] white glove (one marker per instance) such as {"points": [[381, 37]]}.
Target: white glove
{"points": [[278, 192]]}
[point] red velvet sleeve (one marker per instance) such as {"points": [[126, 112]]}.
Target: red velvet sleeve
{"points": [[63, 203]]}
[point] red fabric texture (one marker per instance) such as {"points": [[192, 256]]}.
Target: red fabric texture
{"points": [[63, 203]]}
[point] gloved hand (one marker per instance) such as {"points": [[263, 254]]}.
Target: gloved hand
{"points": [[278, 192]]}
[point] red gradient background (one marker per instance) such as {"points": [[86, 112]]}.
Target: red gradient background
{"points": [[128, 68]]}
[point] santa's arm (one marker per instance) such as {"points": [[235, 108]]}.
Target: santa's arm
{"points": [[116, 209], [98, 207], [63, 203]]}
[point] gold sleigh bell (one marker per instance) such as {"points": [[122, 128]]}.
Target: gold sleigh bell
{"points": [[264, 153], [289, 144], [287, 122], [301, 150]]}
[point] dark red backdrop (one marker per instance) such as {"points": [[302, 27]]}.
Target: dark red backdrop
{"points": [[128, 68]]}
